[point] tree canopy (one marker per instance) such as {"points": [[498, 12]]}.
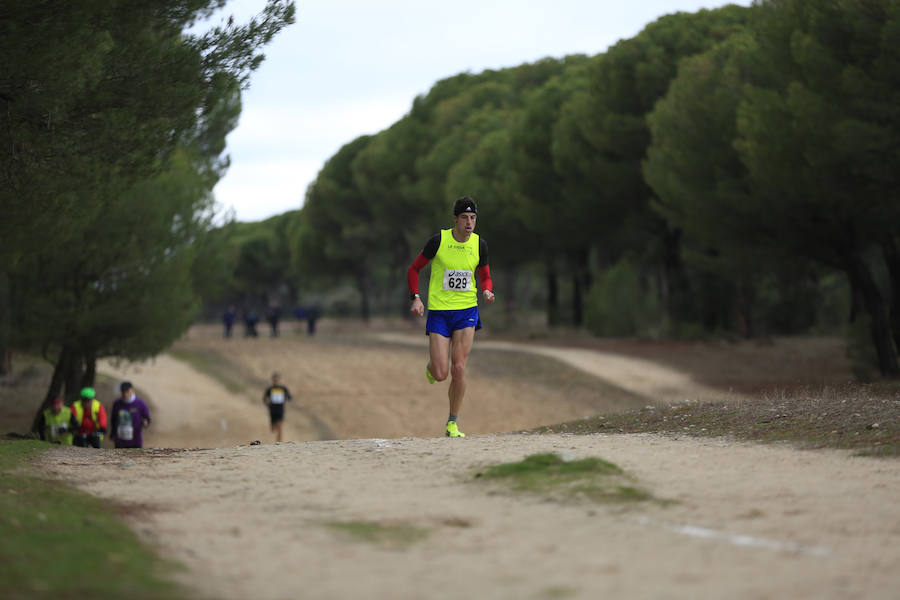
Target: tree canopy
{"points": [[114, 127], [722, 166], [719, 173]]}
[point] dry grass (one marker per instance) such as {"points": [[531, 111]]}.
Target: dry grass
{"points": [[747, 366], [797, 390], [862, 418]]}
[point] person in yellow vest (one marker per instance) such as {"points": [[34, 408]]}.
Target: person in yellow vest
{"points": [[56, 425], [458, 254], [90, 417]]}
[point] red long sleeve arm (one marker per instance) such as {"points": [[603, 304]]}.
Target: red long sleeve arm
{"points": [[484, 274], [412, 274]]}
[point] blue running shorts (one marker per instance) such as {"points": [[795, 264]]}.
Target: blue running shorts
{"points": [[445, 322]]}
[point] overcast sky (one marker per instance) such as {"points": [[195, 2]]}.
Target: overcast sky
{"points": [[347, 68]]}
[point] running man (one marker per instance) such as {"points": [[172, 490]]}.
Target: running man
{"points": [[452, 301], [275, 397]]}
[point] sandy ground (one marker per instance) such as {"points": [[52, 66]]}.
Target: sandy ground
{"points": [[653, 382], [373, 387], [252, 521]]}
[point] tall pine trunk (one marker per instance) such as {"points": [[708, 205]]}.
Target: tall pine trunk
{"points": [[862, 280], [675, 289], [73, 376], [90, 370], [552, 295], [5, 325], [581, 284], [510, 298], [891, 251], [364, 286], [56, 384]]}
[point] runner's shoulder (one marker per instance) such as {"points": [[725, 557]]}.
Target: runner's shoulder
{"points": [[431, 246]]}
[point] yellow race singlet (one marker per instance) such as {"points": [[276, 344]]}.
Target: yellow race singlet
{"points": [[452, 282]]}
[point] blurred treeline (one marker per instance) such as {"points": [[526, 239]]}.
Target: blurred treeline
{"points": [[731, 172], [113, 118]]}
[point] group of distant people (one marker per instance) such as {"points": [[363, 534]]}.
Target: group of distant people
{"points": [[85, 423], [273, 316]]}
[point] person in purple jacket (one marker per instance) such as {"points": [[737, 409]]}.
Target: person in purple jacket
{"points": [[129, 416]]}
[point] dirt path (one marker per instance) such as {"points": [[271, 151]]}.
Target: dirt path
{"points": [[192, 410], [645, 378], [748, 521]]}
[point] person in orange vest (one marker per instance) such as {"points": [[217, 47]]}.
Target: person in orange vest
{"points": [[91, 418]]}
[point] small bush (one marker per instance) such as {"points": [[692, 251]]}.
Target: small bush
{"points": [[622, 303]]}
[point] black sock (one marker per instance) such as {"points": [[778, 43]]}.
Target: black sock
{"points": [[452, 417]]}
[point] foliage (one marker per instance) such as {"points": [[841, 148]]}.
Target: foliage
{"points": [[622, 303], [738, 157], [770, 148], [113, 143]]}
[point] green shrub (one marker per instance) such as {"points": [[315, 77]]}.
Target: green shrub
{"points": [[623, 303]]}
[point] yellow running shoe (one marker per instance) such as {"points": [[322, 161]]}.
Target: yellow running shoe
{"points": [[429, 376], [453, 430]]}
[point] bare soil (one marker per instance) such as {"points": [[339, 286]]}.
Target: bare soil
{"points": [[736, 519]]}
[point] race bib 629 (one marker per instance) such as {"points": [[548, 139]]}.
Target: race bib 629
{"points": [[457, 281]]}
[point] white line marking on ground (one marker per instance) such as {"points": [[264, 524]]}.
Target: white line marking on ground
{"points": [[736, 539]]}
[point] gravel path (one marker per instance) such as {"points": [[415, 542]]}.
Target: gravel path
{"points": [[252, 521]]}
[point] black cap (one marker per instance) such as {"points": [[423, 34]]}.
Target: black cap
{"points": [[464, 204], [125, 385]]}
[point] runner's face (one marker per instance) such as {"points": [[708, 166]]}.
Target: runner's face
{"points": [[465, 223]]}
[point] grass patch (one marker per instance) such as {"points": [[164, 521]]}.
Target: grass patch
{"points": [[550, 474], [57, 542], [858, 417], [212, 363], [394, 536], [557, 592]]}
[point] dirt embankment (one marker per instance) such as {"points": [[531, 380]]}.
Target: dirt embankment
{"points": [[374, 386]]}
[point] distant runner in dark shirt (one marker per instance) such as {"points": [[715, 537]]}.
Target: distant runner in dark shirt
{"points": [[275, 397]]}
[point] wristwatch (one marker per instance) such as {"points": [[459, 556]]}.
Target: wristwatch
{"points": [[413, 296]]}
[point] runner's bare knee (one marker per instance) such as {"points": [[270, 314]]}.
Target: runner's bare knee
{"points": [[439, 372], [458, 370]]}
